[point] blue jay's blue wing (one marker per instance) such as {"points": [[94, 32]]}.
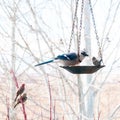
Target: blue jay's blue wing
{"points": [[69, 56], [44, 62]]}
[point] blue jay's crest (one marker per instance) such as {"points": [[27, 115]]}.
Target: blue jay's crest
{"points": [[84, 53], [69, 56]]}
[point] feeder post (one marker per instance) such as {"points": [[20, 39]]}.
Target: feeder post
{"points": [[89, 98], [79, 80]]}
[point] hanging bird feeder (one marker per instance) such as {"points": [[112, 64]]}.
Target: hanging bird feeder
{"points": [[83, 69]]}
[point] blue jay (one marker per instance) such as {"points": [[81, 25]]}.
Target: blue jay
{"points": [[69, 59], [96, 62]]}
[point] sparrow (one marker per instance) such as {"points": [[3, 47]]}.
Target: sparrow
{"points": [[20, 91], [96, 62], [22, 99]]}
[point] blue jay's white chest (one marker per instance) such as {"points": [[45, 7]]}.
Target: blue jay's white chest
{"points": [[81, 57]]}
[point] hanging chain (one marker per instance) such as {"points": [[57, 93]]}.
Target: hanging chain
{"points": [[94, 25], [73, 25], [80, 29]]}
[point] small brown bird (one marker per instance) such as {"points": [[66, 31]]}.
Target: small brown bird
{"points": [[20, 91], [22, 99], [96, 62]]}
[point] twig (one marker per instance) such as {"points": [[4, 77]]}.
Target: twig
{"points": [[114, 111], [7, 103], [14, 78], [50, 99], [99, 115]]}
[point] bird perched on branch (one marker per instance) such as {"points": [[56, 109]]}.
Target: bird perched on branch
{"points": [[20, 91], [22, 99], [69, 59], [96, 62]]}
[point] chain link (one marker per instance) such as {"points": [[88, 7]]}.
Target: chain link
{"points": [[80, 28], [95, 30], [73, 25]]}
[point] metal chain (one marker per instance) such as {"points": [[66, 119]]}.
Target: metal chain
{"points": [[73, 25], [94, 25], [80, 28]]}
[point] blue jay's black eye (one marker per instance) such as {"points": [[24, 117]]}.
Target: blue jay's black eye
{"points": [[84, 53]]}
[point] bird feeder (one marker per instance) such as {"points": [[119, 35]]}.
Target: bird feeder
{"points": [[82, 69]]}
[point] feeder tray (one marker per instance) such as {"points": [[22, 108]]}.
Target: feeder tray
{"points": [[82, 69]]}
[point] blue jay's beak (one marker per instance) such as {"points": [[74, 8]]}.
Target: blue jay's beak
{"points": [[84, 53]]}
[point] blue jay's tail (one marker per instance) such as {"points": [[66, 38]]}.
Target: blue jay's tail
{"points": [[44, 62]]}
